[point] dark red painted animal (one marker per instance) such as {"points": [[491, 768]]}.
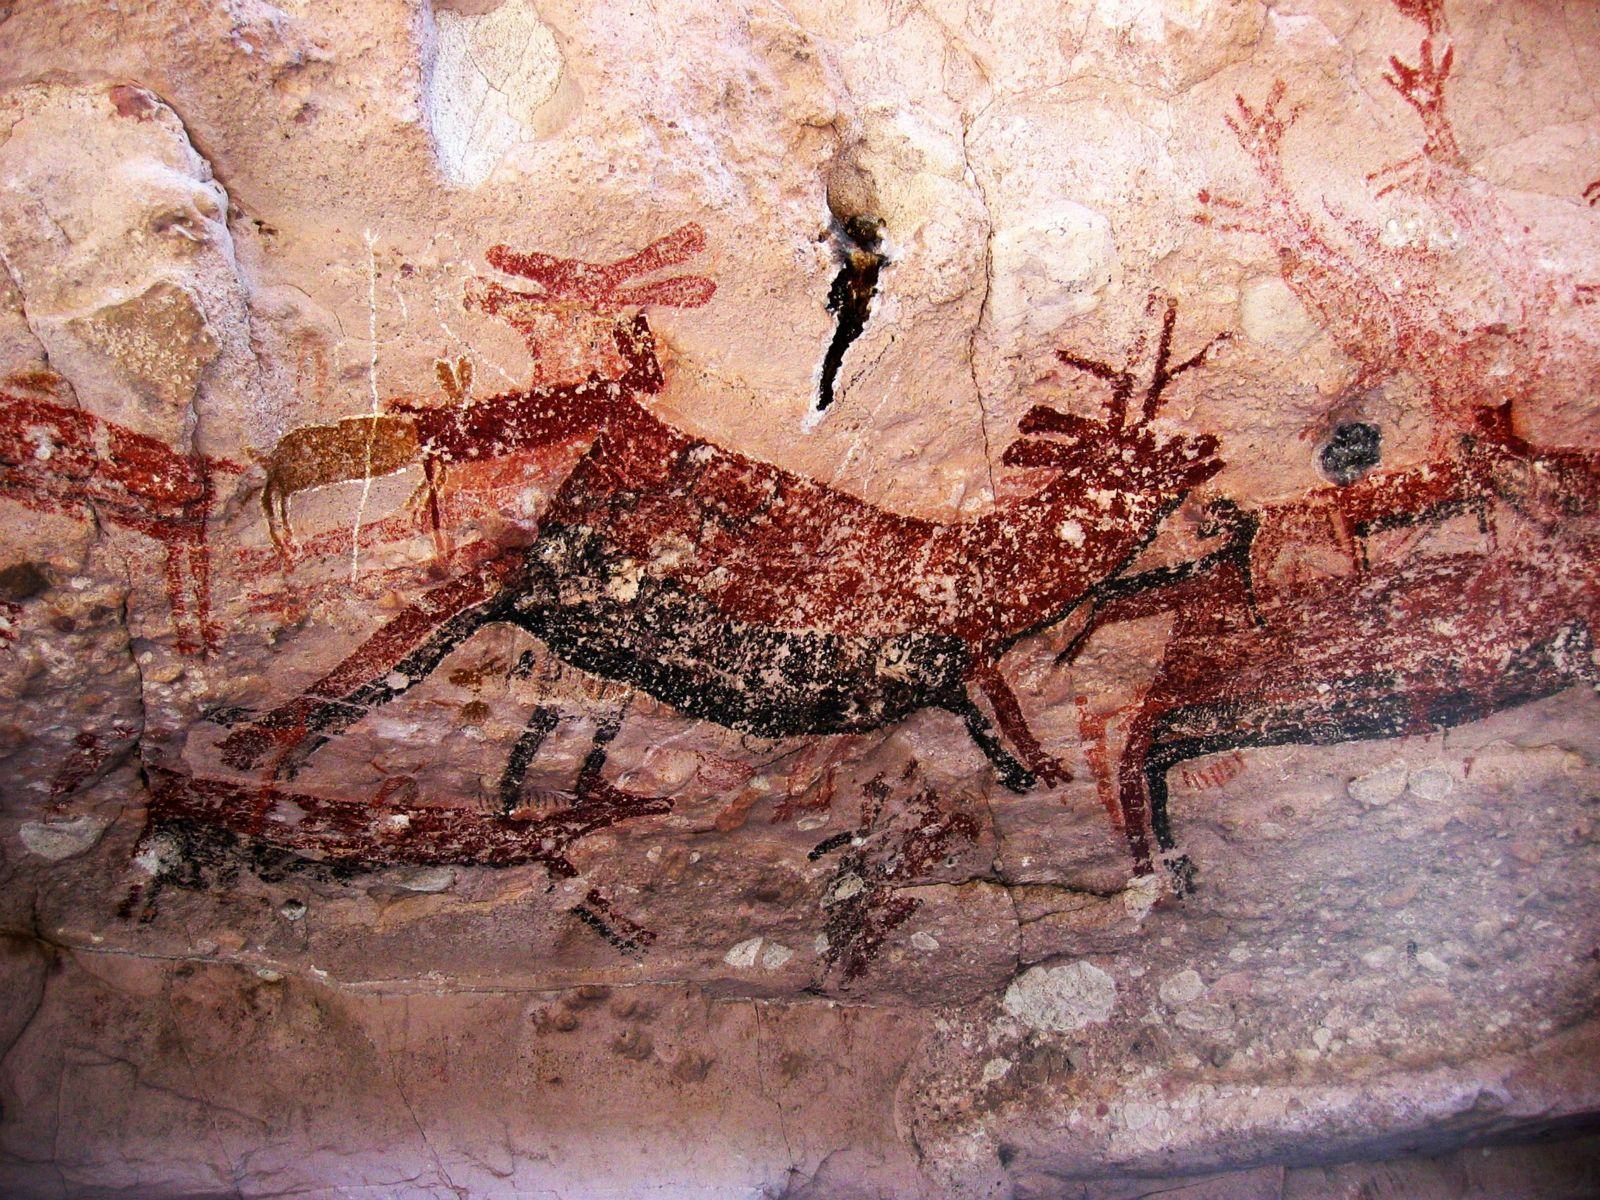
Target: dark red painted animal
{"points": [[1400, 648], [744, 594], [54, 457]]}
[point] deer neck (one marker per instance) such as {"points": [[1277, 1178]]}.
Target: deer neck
{"points": [[1038, 554]]}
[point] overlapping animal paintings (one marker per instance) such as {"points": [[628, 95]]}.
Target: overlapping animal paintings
{"points": [[768, 604]]}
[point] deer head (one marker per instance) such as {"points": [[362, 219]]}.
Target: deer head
{"points": [[1129, 451], [571, 323], [1548, 485]]}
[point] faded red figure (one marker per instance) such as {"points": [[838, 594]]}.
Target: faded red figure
{"points": [[54, 457], [1393, 300]]}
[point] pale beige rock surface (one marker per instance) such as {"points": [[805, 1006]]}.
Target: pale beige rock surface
{"points": [[291, 912]]}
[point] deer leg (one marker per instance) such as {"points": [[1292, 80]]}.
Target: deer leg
{"points": [[200, 573], [1012, 773], [403, 652], [275, 497], [177, 602], [1069, 653], [1050, 770], [591, 787], [432, 474], [540, 725], [1132, 785], [1156, 765]]}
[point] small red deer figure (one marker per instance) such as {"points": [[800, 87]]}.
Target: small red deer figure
{"points": [[468, 430]]}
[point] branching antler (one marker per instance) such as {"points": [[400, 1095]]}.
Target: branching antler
{"points": [[600, 285], [456, 378], [1422, 87], [1165, 375], [1123, 380], [1428, 13], [1261, 130]]}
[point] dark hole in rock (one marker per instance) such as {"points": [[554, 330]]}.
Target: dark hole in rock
{"points": [[1352, 451], [22, 581], [851, 294]]}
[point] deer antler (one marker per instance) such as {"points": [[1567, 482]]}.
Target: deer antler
{"points": [[1123, 380], [1165, 375], [456, 379], [600, 285], [1261, 130]]}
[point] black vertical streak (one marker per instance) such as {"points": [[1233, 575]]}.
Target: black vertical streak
{"points": [[851, 297]]}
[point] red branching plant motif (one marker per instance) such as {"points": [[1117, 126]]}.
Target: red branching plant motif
{"points": [[57, 458]]}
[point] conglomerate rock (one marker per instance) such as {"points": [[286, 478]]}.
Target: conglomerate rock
{"points": [[831, 599]]}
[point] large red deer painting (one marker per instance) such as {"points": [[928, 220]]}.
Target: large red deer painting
{"points": [[743, 594]]}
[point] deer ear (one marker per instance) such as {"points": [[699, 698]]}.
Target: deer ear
{"points": [[1043, 419]]}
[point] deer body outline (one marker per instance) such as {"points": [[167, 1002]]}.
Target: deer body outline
{"points": [[743, 593]]}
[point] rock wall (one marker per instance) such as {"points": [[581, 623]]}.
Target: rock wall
{"points": [[841, 599]]}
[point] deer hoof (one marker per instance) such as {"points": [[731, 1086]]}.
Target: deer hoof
{"points": [[1051, 772], [1018, 779], [1183, 873]]}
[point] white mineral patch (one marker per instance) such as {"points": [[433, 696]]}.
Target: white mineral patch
{"points": [[158, 854], [744, 954], [491, 73], [775, 955], [1048, 270], [850, 885], [1062, 999], [1271, 316], [425, 879], [1141, 894], [995, 1068], [1380, 787], [1434, 783], [62, 839], [1183, 988]]}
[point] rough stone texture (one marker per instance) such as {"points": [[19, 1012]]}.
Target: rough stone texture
{"points": [[477, 723]]}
